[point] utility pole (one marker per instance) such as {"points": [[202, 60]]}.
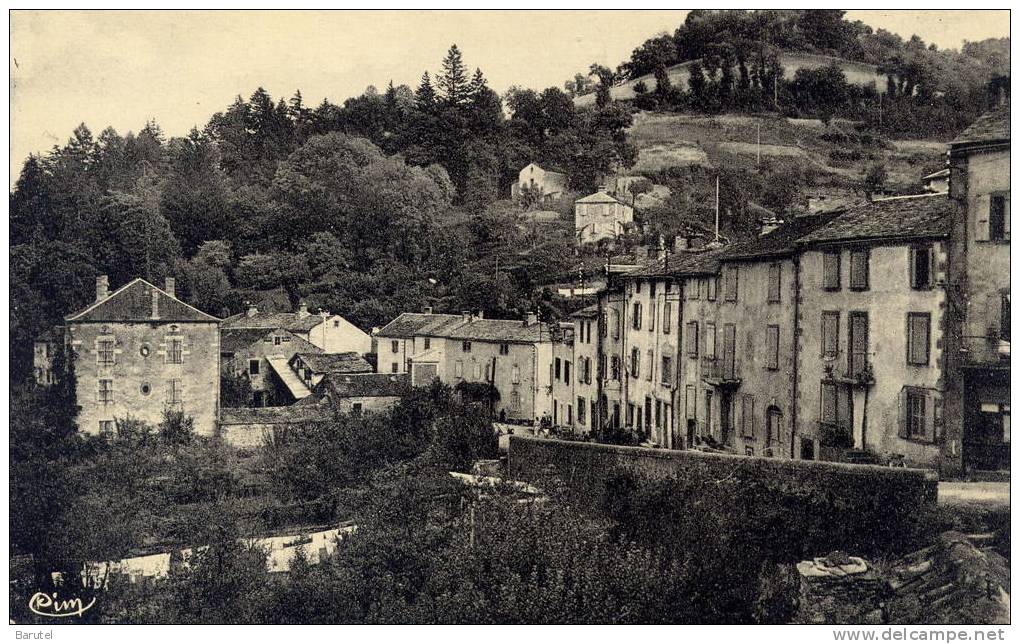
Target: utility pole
{"points": [[716, 207], [759, 143]]}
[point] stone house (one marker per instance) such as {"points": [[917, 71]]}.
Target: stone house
{"points": [[139, 351], [354, 393], [511, 355], [44, 351], [978, 338], [551, 185], [600, 216], [871, 320], [330, 333], [936, 181], [311, 368], [262, 355], [249, 427]]}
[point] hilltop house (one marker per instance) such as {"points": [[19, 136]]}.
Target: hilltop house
{"points": [[139, 351], [600, 216], [546, 183], [331, 333]]}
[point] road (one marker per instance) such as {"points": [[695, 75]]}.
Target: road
{"points": [[978, 494]]}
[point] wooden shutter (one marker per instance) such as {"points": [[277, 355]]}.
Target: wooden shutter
{"points": [[710, 340], [858, 342], [830, 333], [982, 207], [729, 349], [859, 269], [772, 342], [901, 404], [919, 336], [830, 270], [844, 416], [774, 282], [1005, 217]]}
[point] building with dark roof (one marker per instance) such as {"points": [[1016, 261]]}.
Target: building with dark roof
{"points": [[363, 392], [331, 333], [512, 355], [258, 354], [312, 367], [977, 348], [139, 351]]}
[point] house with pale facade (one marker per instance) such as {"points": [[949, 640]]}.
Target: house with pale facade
{"points": [[329, 332], [140, 351], [601, 216], [546, 184], [262, 357], [313, 367]]}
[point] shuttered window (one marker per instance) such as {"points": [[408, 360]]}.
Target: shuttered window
{"points": [[692, 339], [730, 286], [830, 334], [651, 365], [836, 410], [636, 315], [859, 270], [858, 343], [667, 314], [772, 346], [709, 339], [691, 400], [997, 218], [920, 412], [830, 271], [654, 310], [713, 286], [667, 370], [729, 351], [775, 282], [747, 416], [635, 363], [918, 338], [921, 267]]}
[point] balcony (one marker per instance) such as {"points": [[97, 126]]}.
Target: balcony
{"points": [[720, 372]]}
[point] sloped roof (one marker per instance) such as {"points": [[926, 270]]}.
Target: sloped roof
{"points": [[408, 325], [233, 340], [778, 243], [365, 385], [288, 377], [602, 197], [133, 302], [293, 322], [689, 263], [590, 311], [347, 362], [919, 216], [992, 126], [445, 325]]}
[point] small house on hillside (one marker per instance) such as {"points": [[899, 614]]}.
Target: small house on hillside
{"points": [[331, 333], [549, 184], [312, 367], [600, 216]]}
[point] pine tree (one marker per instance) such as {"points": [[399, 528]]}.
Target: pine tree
{"points": [[453, 82], [477, 84], [425, 96]]}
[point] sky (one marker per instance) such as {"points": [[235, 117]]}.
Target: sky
{"points": [[122, 68]]}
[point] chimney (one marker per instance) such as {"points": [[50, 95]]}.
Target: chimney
{"points": [[302, 311], [530, 318], [681, 243], [169, 286], [427, 310], [768, 225], [480, 315], [600, 188], [466, 316], [102, 287], [252, 311]]}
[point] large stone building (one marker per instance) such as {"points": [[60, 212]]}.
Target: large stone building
{"points": [[139, 351], [978, 339], [511, 355]]}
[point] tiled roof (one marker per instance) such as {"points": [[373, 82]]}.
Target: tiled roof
{"points": [[444, 325], [365, 385], [348, 362], [779, 242], [274, 415], [913, 217], [133, 302], [990, 126], [601, 197], [683, 264], [289, 321], [233, 340], [590, 311]]}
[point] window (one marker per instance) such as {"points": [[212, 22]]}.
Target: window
{"points": [[830, 334], [651, 290], [667, 370], [772, 347], [710, 339], [636, 315], [615, 368], [581, 406], [515, 401], [394, 367], [504, 349], [918, 338], [105, 391], [254, 367], [465, 346], [277, 340], [921, 267], [174, 351], [694, 289], [691, 402], [858, 343], [587, 370], [830, 271], [428, 343], [730, 284], [653, 309], [173, 391], [651, 365], [667, 317], [458, 369], [105, 353], [515, 375], [106, 427], [477, 371], [997, 216], [692, 339], [915, 401], [336, 324], [859, 270], [835, 401], [356, 408], [775, 282], [556, 368], [635, 363], [1004, 330], [713, 287], [614, 318], [747, 416], [566, 372]]}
